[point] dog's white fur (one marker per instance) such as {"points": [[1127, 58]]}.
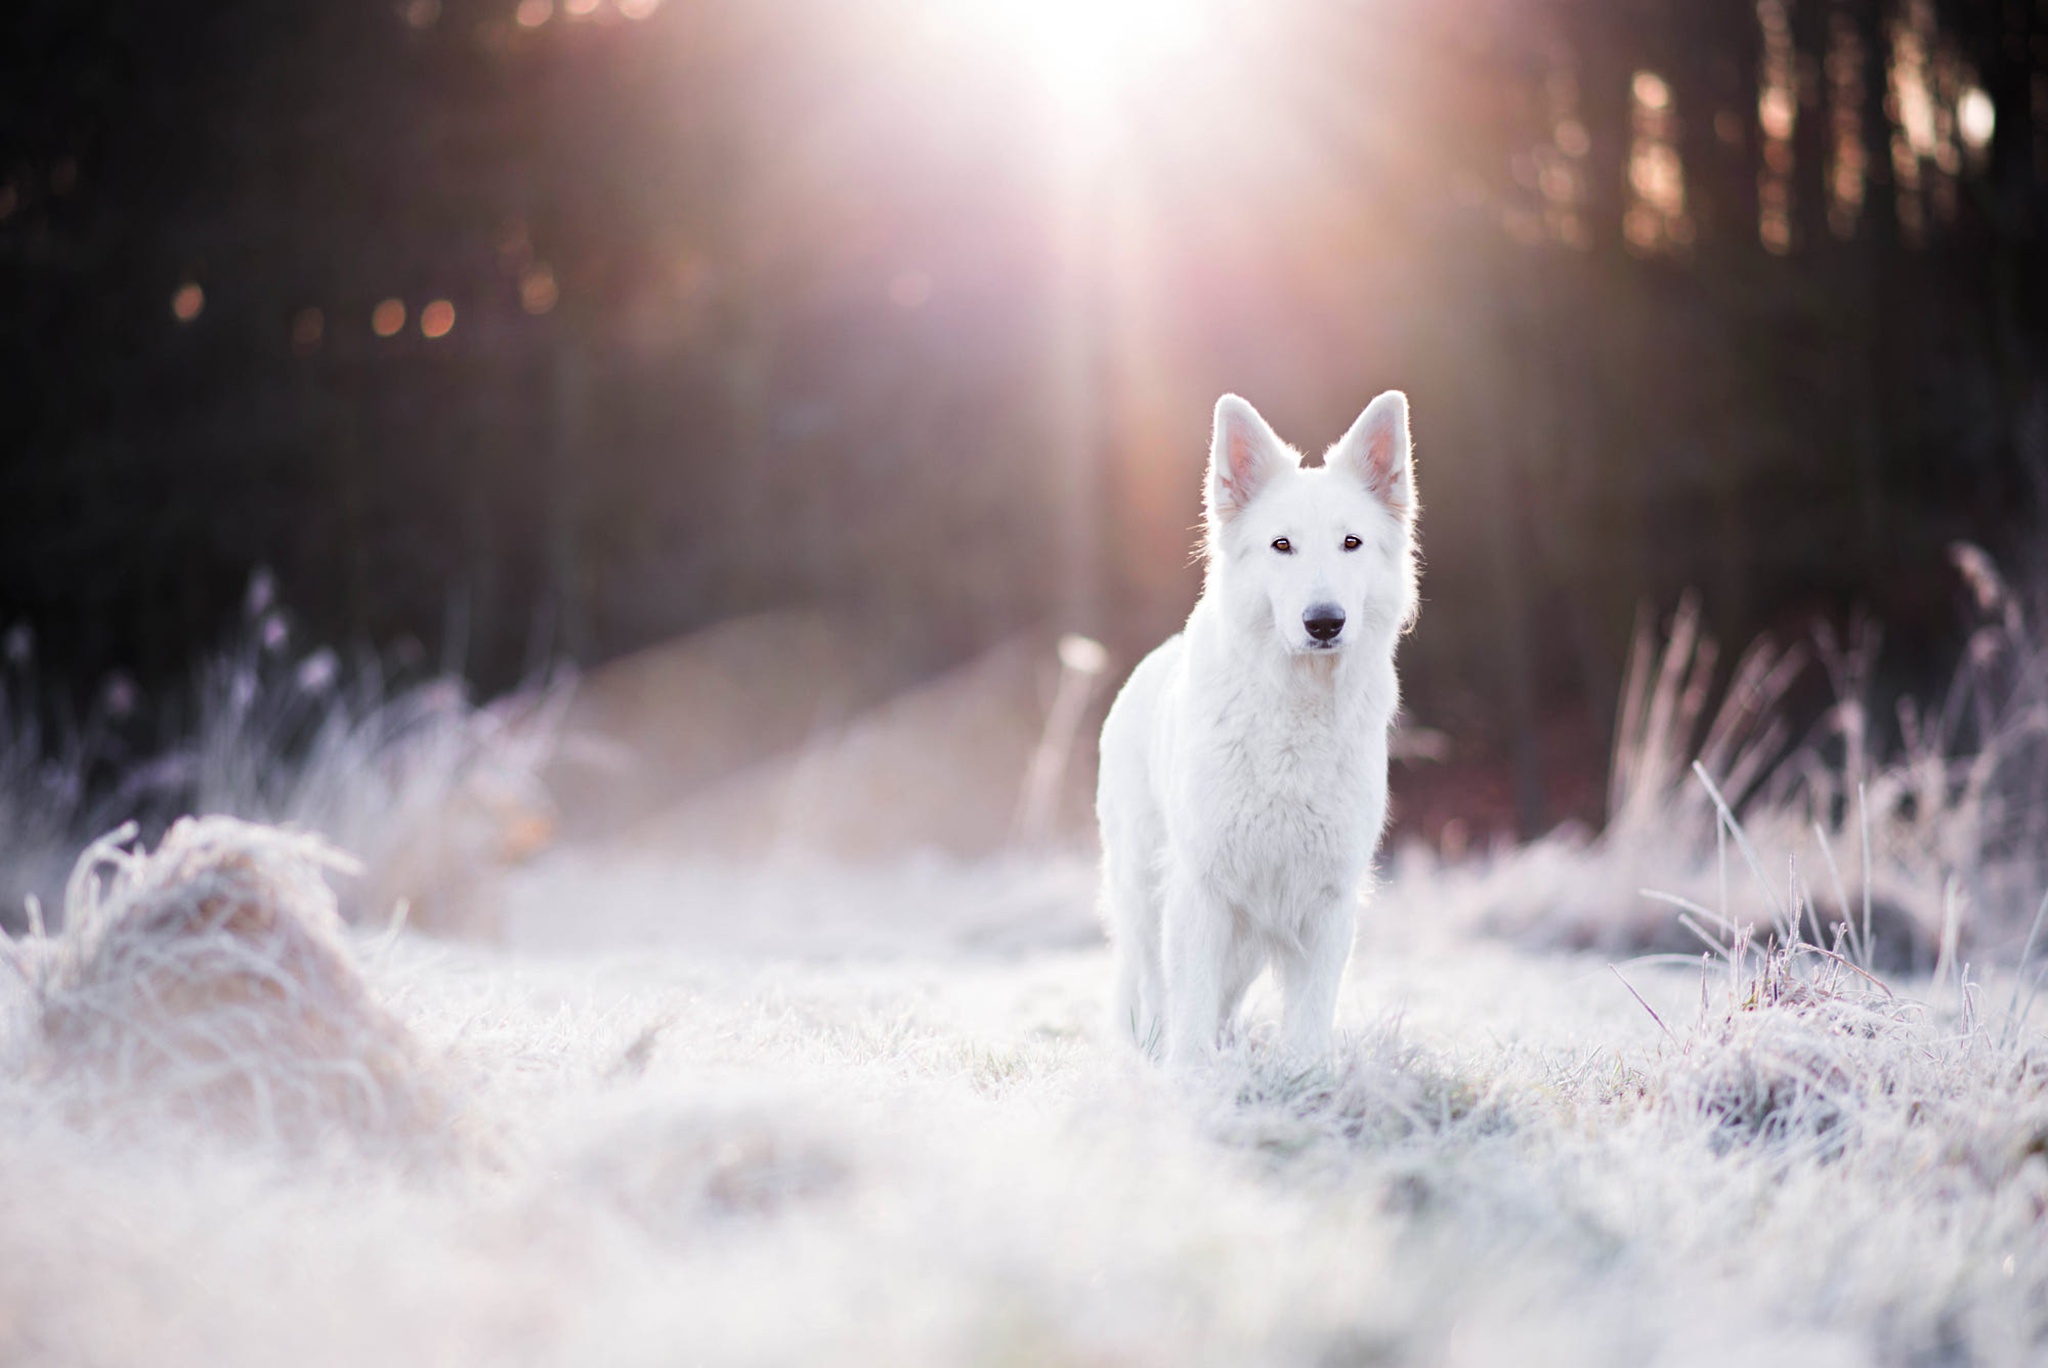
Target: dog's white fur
{"points": [[1244, 764]]}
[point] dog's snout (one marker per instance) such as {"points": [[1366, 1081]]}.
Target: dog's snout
{"points": [[1324, 621]]}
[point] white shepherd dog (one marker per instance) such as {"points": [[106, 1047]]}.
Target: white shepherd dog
{"points": [[1244, 764]]}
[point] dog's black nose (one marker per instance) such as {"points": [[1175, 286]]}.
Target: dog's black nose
{"points": [[1324, 621]]}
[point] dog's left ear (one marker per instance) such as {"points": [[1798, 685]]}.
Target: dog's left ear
{"points": [[1377, 451]]}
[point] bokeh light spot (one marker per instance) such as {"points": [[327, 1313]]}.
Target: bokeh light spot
{"points": [[537, 292], [533, 13], [187, 301], [120, 696], [309, 325], [437, 318], [1848, 160], [1976, 118], [388, 317], [638, 9], [1657, 220], [579, 9], [423, 13]]}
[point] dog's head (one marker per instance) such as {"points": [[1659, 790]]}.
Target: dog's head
{"points": [[1327, 553]]}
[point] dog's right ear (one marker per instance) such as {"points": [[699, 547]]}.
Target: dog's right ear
{"points": [[1243, 454]]}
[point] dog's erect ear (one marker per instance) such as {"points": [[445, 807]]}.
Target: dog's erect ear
{"points": [[1376, 450], [1243, 454]]}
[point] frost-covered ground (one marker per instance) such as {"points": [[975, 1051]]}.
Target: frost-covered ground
{"points": [[616, 1106], [910, 1142]]}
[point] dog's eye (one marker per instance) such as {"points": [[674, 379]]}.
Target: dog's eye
{"points": [[1352, 543], [1283, 546]]}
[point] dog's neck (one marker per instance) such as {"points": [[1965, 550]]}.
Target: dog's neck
{"points": [[1249, 655]]}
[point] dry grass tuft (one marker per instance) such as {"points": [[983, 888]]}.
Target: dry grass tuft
{"points": [[1925, 839], [1802, 1047], [1375, 1092], [210, 980], [436, 794]]}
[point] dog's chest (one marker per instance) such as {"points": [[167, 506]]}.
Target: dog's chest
{"points": [[1294, 798]]}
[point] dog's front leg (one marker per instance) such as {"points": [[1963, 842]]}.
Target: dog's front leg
{"points": [[1196, 937], [1310, 976]]}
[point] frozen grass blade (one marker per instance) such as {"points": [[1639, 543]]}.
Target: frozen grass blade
{"points": [[1863, 820], [1643, 1003], [1858, 948], [2012, 1011], [1727, 817]]}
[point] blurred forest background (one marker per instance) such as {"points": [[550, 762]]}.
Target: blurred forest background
{"points": [[504, 328]]}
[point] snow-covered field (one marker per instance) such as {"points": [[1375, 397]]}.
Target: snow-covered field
{"points": [[920, 1148], [798, 1111]]}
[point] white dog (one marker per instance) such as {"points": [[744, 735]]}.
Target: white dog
{"points": [[1244, 764]]}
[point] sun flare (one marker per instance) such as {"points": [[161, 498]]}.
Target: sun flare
{"points": [[1086, 51]]}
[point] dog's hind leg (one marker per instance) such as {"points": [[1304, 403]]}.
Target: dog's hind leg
{"points": [[1310, 975]]}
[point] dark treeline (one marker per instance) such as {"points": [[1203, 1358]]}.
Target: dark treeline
{"points": [[712, 305]]}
